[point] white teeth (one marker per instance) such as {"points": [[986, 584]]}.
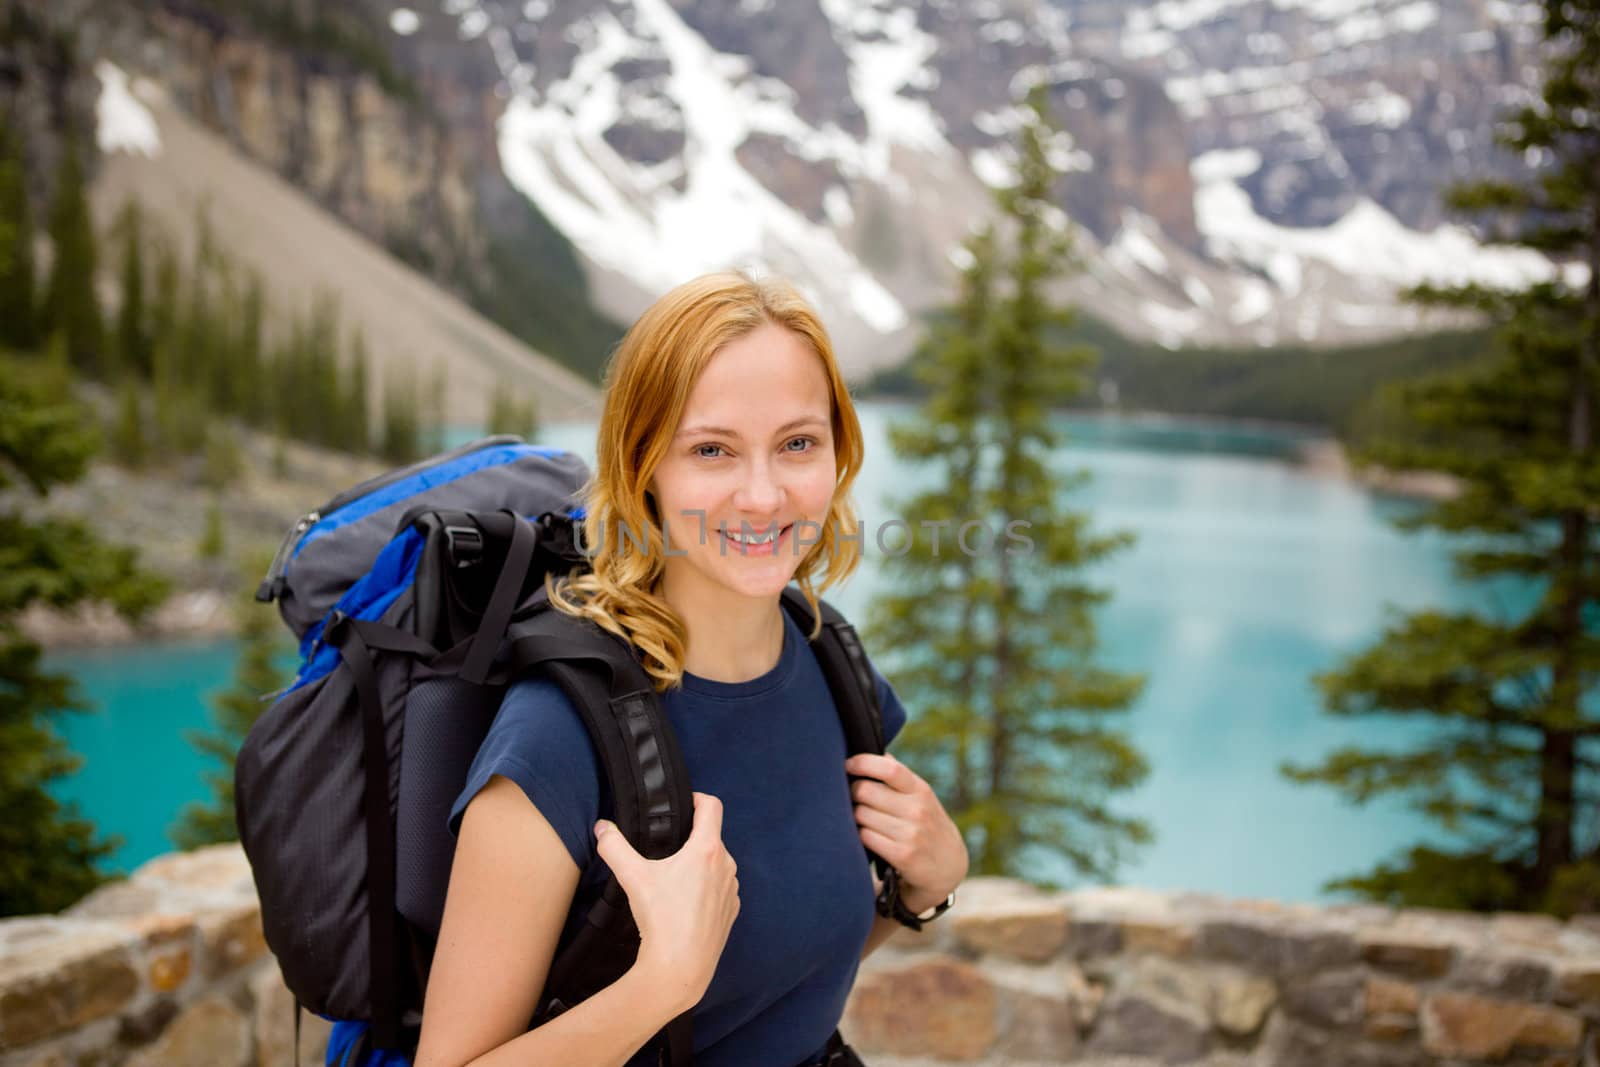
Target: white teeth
{"points": [[753, 539]]}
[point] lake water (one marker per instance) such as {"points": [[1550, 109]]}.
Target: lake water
{"points": [[1249, 575]]}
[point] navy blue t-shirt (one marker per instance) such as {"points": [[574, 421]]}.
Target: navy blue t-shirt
{"points": [[772, 750]]}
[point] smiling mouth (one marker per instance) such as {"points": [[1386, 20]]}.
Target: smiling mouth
{"points": [[771, 537]]}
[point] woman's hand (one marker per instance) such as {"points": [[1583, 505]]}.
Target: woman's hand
{"points": [[684, 905], [900, 818]]}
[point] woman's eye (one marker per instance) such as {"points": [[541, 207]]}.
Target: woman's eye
{"points": [[806, 442], [699, 450]]}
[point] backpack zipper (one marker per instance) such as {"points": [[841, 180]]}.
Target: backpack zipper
{"points": [[271, 586]]}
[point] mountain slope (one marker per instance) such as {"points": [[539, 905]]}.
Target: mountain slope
{"points": [[411, 325]]}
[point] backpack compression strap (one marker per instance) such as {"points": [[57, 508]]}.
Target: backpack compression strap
{"points": [[654, 807]]}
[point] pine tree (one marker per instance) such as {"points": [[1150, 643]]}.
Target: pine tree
{"points": [[435, 412], [325, 397], [250, 362], [402, 431], [223, 467], [164, 318], [509, 414], [133, 332], [18, 315], [213, 538], [235, 709], [1507, 760], [49, 854], [71, 305], [354, 419], [128, 439], [990, 628]]}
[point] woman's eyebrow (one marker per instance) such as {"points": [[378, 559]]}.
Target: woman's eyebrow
{"points": [[725, 432]]}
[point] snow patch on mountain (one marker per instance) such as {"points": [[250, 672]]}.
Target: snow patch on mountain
{"points": [[659, 225], [887, 53], [1133, 246], [1367, 242], [123, 123]]}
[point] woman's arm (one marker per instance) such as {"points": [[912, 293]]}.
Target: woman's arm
{"points": [[899, 818], [511, 884], [884, 927]]}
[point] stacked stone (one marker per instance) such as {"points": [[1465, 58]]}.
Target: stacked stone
{"points": [[1134, 978], [166, 969], [169, 969]]}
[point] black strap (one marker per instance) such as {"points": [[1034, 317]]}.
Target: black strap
{"points": [[653, 805], [502, 602], [617, 701], [679, 1046], [381, 915], [848, 672], [381, 638], [297, 1010]]}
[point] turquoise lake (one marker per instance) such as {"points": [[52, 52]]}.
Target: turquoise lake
{"points": [[1249, 575]]}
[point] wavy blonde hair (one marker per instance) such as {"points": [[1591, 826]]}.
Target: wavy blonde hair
{"points": [[647, 388]]}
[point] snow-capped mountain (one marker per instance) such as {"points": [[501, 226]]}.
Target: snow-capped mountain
{"points": [[1244, 170]]}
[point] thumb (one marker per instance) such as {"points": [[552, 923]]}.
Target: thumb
{"points": [[613, 847]]}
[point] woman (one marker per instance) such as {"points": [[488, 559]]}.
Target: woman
{"points": [[728, 433]]}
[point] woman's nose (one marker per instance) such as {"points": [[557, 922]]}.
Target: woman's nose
{"points": [[760, 493]]}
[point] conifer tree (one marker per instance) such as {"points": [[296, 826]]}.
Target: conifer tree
{"points": [[18, 313], [509, 414], [401, 440], [990, 635], [257, 675], [249, 364], [72, 307], [133, 332], [49, 854], [129, 443], [213, 538], [355, 419], [435, 412], [1507, 761], [164, 318]]}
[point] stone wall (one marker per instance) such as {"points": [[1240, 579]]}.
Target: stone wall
{"points": [[169, 969], [1124, 977]]}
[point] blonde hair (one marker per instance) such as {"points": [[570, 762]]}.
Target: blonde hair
{"points": [[647, 388]]}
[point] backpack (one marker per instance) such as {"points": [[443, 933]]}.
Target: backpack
{"points": [[418, 597]]}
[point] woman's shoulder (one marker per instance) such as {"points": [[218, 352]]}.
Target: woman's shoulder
{"points": [[538, 741], [539, 724]]}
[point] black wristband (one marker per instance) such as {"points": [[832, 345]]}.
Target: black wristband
{"points": [[890, 906]]}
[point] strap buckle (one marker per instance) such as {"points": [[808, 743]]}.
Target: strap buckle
{"points": [[464, 544]]}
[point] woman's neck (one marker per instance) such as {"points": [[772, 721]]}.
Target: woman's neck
{"points": [[732, 638]]}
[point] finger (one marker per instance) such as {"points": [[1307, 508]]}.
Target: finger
{"points": [[882, 797], [707, 817], [890, 826], [887, 848], [615, 848], [885, 768]]}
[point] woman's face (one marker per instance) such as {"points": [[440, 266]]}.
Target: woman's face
{"points": [[751, 459]]}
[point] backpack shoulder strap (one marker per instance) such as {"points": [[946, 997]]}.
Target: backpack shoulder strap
{"points": [[849, 673], [644, 767], [845, 665], [638, 751]]}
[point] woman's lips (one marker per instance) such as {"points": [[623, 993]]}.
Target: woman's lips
{"points": [[760, 548]]}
